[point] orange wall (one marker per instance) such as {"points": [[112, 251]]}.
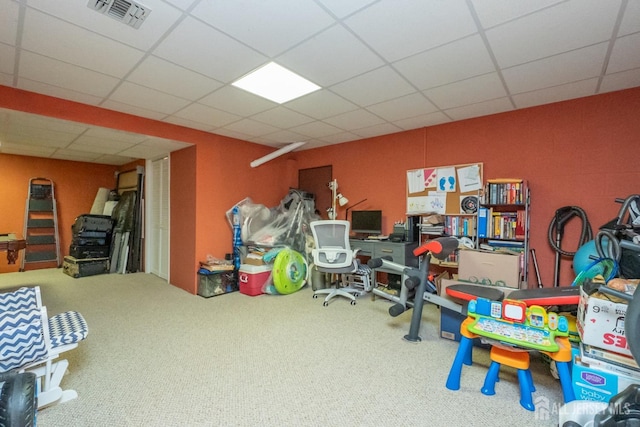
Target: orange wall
{"points": [[75, 184], [577, 152], [574, 153]]}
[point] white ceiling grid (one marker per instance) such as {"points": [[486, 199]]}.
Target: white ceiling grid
{"points": [[384, 66]]}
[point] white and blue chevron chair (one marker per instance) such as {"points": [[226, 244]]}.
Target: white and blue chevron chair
{"points": [[31, 342]]}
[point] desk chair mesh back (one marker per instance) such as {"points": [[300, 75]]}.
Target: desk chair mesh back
{"points": [[333, 254]]}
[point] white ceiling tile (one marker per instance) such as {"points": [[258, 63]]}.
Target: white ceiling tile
{"points": [[143, 97], [130, 109], [251, 127], [17, 122], [37, 136], [26, 149], [494, 12], [494, 106], [284, 136], [270, 26], [316, 129], [335, 139], [182, 4], [237, 101], [213, 50], [9, 28], [108, 159], [374, 87], [105, 147], [407, 106], [561, 28], [620, 81], [163, 76], [144, 152], [625, 54], [380, 129], [354, 120], [557, 70], [6, 79], [58, 92], [162, 17], [206, 115], [114, 135], [556, 93], [456, 61], [342, 8], [399, 28], [423, 120], [282, 117], [321, 104], [310, 58], [470, 91], [166, 144], [631, 20], [79, 156], [54, 38], [64, 75]]}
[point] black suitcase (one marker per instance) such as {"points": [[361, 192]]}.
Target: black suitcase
{"points": [[92, 235], [85, 267], [91, 241], [92, 223], [89, 251]]}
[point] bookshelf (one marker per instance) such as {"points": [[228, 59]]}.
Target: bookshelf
{"points": [[458, 225], [503, 219]]}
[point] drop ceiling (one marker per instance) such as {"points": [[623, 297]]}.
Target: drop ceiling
{"points": [[384, 66]]}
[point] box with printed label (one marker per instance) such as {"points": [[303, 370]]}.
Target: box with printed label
{"points": [[600, 323], [591, 383], [490, 268], [251, 278]]}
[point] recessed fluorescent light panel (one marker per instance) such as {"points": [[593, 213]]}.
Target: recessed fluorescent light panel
{"points": [[275, 83]]}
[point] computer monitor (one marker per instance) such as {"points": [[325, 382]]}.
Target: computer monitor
{"points": [[366, 222]]}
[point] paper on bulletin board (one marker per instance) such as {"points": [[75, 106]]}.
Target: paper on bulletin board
{"points": [[433, 203], [420, 179], [446, 179], [469, 178], [415, 181]]}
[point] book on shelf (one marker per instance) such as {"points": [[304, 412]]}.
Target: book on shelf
{"points": [[483, 217], [505, 191], [609, 361]]}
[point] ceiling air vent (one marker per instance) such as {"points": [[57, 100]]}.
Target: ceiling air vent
{"points": [[129, 12]]}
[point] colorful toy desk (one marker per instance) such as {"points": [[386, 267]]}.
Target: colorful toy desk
{"points": [[511, 339]]}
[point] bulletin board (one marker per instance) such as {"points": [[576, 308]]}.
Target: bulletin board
{"points": [[446, 190]]}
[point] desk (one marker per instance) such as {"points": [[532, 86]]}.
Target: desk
{"points": [[11, 244], [400, 252]]}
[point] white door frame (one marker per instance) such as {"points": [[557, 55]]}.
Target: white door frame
{"points": [[151, 245]]}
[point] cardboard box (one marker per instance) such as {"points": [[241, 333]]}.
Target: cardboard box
{"points": [[601, 323], [489, 268], [251, 278], [253, 259], [591, 383]]}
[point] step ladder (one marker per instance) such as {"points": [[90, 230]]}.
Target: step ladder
{"points": [[41, 225]]}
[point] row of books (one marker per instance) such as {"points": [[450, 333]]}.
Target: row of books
{"points": [[504, 192], [501, 225], [609, 361]]}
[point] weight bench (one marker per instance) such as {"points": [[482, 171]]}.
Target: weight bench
{"points": [[31, 342]]}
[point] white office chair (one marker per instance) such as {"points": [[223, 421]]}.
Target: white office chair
{"points": [[332, 254]]}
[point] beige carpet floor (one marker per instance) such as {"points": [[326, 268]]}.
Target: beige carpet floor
{"points": [[158, 356]]}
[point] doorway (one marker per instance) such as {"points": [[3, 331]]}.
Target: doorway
{"points": [[316, 181]]}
